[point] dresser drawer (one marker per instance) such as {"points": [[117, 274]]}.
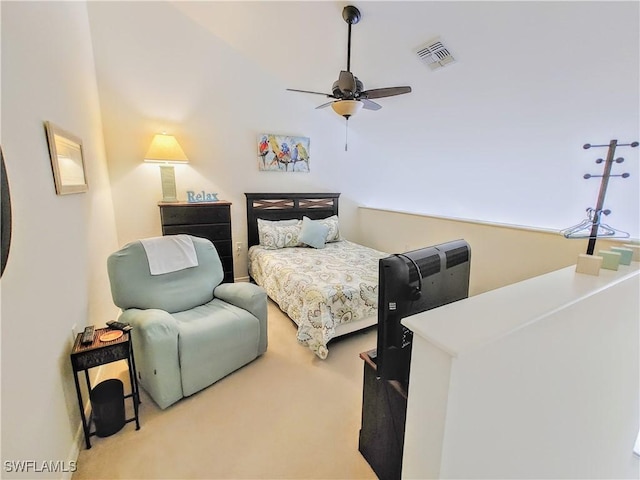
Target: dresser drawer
{"points": [[223, 247], [185, 215], [207, 220], [212, 232], [228, 277], [227, 266]]}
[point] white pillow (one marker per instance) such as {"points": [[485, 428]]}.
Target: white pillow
{"points": [[282, 223], [334, 229], [273, 235]]}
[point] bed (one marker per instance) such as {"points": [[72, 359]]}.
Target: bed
{"points": [[327, 291]]}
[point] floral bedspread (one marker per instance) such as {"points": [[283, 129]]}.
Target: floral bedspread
{"points": [[319, 288]]}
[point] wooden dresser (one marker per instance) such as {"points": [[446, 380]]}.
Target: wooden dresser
{"points": [[207, 220]]}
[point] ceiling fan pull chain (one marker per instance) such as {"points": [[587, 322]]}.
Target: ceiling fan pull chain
{"points": [[346, 134]]}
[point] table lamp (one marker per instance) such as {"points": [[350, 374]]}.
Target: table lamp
{"points": [[166, 150]]}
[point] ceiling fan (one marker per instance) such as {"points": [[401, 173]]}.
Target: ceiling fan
{"points": [[347, 93]]}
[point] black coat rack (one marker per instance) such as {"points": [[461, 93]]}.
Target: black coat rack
{"points": [[593, 225]]}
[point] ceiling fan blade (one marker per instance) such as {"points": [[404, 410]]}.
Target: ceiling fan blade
{"points": [[324, 105], [307, 91], [385, 92], [347, 83], [369, 105]]}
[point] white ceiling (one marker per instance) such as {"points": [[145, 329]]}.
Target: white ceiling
{"points": [[304, 44]]}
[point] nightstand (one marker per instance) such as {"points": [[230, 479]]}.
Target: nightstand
{"points": [[210, 220], [84, 357]]}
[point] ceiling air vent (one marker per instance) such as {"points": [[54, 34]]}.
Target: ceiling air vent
{"points": [[435, 54]]}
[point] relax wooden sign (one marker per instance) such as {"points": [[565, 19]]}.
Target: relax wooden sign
{"points": [[193, 197]]}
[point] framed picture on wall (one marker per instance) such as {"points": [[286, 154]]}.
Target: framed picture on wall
{"points": [[283, 153], [67, 161]]}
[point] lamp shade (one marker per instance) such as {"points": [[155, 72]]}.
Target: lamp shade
{"points": [[166, 149], [347, 108]]}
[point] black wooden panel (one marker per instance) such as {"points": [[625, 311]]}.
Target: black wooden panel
{"points": [[384, 410], [211, 232], [224, 248], [181, 215], [211, 221]]}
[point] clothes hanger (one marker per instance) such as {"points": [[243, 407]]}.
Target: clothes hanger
{"points": [[614, 233], [586, 225], [587, 222], [602, 231], [584, 229]]}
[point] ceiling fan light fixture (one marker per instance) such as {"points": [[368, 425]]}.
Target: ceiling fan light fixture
{"points": [[348, 92], [347, 108]]}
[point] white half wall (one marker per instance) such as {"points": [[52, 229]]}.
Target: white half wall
{"points": [[539, 379], [500, 254], [556, 399]]}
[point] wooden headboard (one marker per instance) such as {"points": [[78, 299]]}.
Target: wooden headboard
{"points": [[285, 206]]}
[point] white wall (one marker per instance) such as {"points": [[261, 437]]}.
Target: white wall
{"points": [[56, 272], [497, 136]]}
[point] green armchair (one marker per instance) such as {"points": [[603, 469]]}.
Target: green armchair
{"points": [[189, 330]]}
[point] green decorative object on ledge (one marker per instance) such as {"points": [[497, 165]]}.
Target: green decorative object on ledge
{"points": [[610, 260], [635, 249], [626, 254]]}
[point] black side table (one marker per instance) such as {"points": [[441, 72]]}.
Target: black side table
{"points": [[84, 357]]}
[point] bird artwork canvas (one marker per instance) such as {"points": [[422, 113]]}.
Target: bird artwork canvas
{"points": [[283, 153]]}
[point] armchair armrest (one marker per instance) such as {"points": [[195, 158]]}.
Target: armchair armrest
{"points": [[249, 297], [155, 346]]}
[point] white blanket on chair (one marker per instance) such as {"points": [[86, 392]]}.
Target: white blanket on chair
{"points": [[170, 253]]}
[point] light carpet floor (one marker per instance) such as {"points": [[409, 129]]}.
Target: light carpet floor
{"points": [[286, 415]]}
